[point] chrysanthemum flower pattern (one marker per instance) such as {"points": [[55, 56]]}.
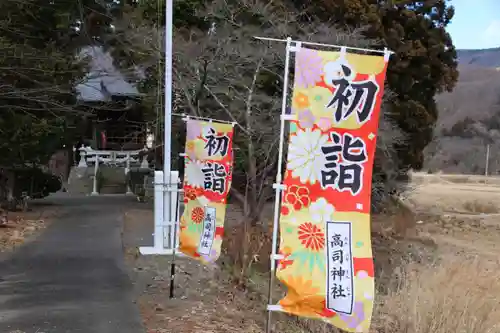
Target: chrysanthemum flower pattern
{"points": [[322, 222]]}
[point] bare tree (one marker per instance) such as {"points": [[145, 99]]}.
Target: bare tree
{"points": [[224, 73]]}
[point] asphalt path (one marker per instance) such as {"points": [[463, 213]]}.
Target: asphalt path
{"points": [[72, 278]]}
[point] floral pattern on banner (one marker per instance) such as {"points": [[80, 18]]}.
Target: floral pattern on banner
{"points": [[207, 181], [335, 109]]}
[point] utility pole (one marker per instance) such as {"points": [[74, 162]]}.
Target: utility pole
{"points": [[487, 159]]}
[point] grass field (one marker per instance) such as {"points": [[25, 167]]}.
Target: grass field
{"points": [[459, 289]]}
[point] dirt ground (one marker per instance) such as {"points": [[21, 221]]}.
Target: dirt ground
{"points": [[456, 228], [202, 293]]}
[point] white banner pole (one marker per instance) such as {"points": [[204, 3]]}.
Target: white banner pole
{"points": [[278, 187], [164, 190], [167, 142]]}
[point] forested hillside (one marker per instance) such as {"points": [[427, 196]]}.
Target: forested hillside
{"points": [[469, 117], [485, 58]]}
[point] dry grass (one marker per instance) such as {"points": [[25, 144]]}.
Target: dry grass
{"points": [[477, 206], [460, 291], [455, 295], [454, 193], [436, 272]]}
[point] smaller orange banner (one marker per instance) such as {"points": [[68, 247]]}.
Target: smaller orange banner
{"points": [[207, 181]]}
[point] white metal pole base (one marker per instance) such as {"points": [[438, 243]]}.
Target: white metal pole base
{"points": [[162, 244], [151, 250], [94, 194]]}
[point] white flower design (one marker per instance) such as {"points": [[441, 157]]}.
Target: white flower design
{"points": [[321, 210], [194, 175], [338, 69], [305, 157]]}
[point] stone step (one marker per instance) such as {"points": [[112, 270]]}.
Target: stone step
{"points": [[79, 181], [113, 189], [111, 180]]}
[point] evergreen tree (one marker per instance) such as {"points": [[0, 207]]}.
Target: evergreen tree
{"points": [[424, 63], [39, 72]]}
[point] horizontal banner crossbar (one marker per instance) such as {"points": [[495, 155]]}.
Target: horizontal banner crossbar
{"points": [[274, 307], [384, 51], [186, 117]]}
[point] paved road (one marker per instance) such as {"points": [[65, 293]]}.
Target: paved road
{"points": [[72, 278]]}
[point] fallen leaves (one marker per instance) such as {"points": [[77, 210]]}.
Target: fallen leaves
{"points": [[14, 233]]}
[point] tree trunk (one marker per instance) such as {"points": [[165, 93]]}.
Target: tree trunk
{"points": [[7, 195], [11, 183]]}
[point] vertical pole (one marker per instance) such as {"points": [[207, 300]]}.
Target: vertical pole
{"points": [[96, 170], [487, 159], [168, 233], [167, 142], [127, 174], [158, 209], [174, 239], [278, 185], [174, 199]]}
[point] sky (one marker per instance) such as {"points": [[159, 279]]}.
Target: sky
{"points": [[476, 24]]}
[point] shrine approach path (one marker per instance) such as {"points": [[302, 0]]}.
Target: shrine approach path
{"points": [[72, 278]]}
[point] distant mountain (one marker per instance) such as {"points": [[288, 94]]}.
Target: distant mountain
{"points": [[474, 95], [477, 93], [483, 58], [469, 117]]}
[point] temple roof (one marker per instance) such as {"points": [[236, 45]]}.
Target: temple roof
{"points": [[104, 80]]}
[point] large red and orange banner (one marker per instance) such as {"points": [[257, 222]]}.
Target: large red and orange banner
{"points": [[207, 181], [327, 263]]}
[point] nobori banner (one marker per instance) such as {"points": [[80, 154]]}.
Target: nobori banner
{"points": [[327, 263], [208, 176]]}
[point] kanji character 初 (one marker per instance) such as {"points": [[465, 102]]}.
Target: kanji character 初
{"points": [[350, 96], [216, 144]]}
